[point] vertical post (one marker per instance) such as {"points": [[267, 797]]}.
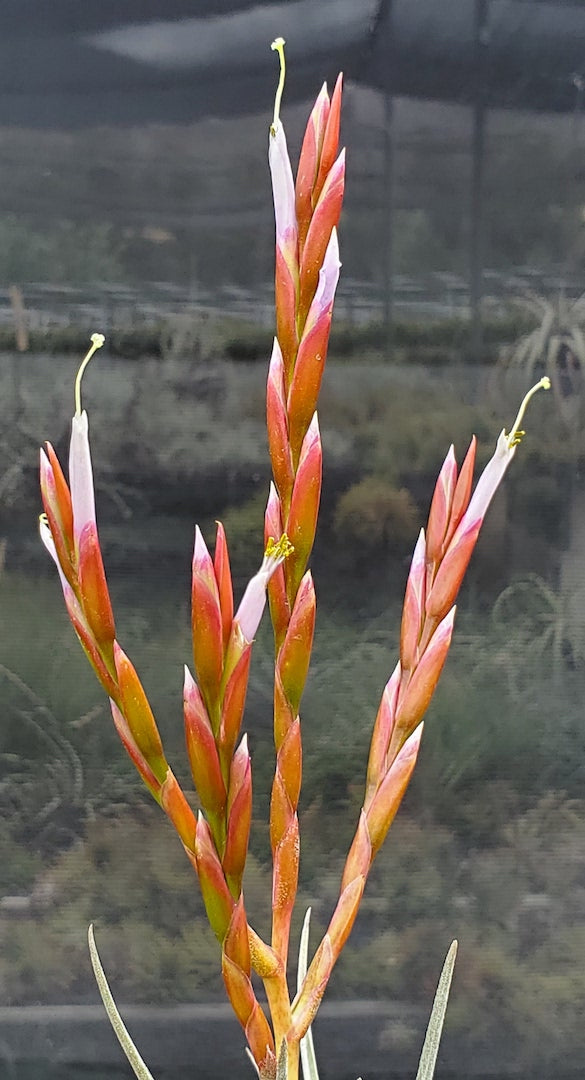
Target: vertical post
{"points": [[19, 317], [476, 251], [388, 188], [578, 81]]}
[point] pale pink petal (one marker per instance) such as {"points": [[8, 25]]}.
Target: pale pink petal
{"points": [[489, 481], [327, 284], [81, 475], [251, 608], [283, 189], [202, 561], [47, 538]]}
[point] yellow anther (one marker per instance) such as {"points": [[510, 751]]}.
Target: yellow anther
{"points": [[278, 549], [44, 524], [97, 341], [278, 46], [517, 433]]}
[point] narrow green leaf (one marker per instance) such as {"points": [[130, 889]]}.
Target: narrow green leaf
{"points": [[428, 1058], [138, 1067], [308, 1059]]}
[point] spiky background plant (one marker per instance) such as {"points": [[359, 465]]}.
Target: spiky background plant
{"points": [[216, 839], [556, 346]]}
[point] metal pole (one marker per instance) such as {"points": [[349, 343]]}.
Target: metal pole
{"points": [[476, 236], [388, 190]]}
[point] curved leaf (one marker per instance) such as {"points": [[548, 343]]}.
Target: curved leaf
{"points": [[308, 1059], [428, 1057], [138, 1067]]}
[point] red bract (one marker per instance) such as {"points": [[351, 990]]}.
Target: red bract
{"points": [[239, 818], [317, 155], [206, 626]]}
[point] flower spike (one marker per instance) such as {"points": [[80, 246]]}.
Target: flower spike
{"points": [[216, 838], [439, 563]]}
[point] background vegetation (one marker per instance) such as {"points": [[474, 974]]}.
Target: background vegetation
{"points": [[489, 845]]}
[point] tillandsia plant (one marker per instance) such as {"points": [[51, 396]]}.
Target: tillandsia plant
{"points": [[216, 839]]}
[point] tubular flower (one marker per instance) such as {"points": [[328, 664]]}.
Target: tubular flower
{"points": [[253, 601]]}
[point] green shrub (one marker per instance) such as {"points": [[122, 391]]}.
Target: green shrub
{"points": [[19, 866], [438, 341], [374, 516]]}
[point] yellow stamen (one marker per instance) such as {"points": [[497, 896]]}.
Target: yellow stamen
{"points": [[278, 549], [278, 46], [97, 341], [43, 520], [516, 434]]}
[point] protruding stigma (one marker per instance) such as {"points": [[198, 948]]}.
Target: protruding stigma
{"points": [[278, 549], [517, 433], [278, 46], [97, 341]]}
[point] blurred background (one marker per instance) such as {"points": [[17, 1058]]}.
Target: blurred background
{"points": [[135, 200]]}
